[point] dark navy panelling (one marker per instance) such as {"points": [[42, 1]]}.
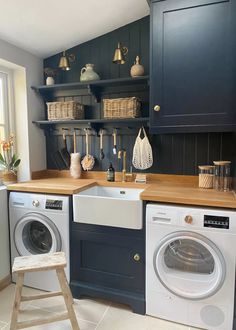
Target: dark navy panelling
{"points": [[174, 153], [192, 60], [100, 51]]}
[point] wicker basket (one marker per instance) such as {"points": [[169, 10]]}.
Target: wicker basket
{"points": [[128, 107], [65, 110]]}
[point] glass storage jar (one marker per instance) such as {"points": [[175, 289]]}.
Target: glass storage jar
{"points": [[206, 175], [222, 179]]}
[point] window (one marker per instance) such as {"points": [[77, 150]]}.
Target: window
{"points": [[4, 105]]}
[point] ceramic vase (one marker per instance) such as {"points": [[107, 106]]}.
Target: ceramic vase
{"points": [[50, 81], [87, 73], [137, 69]]}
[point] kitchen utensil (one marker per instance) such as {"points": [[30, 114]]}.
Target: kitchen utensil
{"points": [[142, 152], [88, 160], [101, 145], [75, 166], [114, 142], [59, 157], [64, 151]]}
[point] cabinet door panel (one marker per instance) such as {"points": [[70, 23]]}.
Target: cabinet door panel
{"points": [[192, 77], [107, 260]]}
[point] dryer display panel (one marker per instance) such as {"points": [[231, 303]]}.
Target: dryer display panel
{"points": [[53, 204], [214, 221]]}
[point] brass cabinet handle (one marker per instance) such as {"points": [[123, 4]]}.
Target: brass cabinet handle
{"points": [[137, 257], [188, 219], [157, 108]]}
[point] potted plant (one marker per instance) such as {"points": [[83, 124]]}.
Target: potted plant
{"points": [[50, 74], [9, 161]]}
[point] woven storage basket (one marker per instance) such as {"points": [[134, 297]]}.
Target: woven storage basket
{"points": [[65, 110], [128, 107]]}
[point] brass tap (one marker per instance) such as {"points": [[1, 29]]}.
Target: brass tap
{"points": [[124, 163]]}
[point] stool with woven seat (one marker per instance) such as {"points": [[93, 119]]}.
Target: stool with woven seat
{"points": [[36, 263]]}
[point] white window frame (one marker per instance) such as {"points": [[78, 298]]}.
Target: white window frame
{"points": [[8, 99]]}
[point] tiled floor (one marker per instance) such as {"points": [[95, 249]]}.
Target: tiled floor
{"points": [[91, 314]]}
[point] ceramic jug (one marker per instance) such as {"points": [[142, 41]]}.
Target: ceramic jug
{"points": [[50, 81], [137, 69], [87, 73]]}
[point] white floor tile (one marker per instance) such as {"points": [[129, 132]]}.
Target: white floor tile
{"points": [[92, 314]]}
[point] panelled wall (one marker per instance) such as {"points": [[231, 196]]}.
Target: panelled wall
{"points": [[173, 153]]}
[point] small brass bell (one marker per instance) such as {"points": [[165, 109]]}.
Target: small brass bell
{"points": [[119, 56]]}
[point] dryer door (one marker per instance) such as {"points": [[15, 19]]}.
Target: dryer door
{"points": [[36, 234], [189, 265]]}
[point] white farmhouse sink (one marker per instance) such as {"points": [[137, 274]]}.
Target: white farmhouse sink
{"points": [[109, 206]]}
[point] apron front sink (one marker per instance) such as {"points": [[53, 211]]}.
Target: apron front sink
{"points": [[109, 206]]}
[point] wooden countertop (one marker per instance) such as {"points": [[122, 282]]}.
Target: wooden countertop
{"points": [[61, 186], [160, 188], [190, 195]]}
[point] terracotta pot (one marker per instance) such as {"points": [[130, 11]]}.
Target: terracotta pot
{"points": [[9, 177]]}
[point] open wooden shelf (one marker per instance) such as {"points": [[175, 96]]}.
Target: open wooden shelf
{"points": [[94, 87], [95, 123]]}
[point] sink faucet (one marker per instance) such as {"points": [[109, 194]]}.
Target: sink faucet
{"points": [[124, 163]]}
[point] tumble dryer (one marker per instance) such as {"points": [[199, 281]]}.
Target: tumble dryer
{"points": [[190, 265]]}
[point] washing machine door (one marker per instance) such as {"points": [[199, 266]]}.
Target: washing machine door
{"points": [[36, 234], [189, 265]]}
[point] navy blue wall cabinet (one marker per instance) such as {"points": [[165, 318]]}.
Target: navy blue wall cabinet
{"points": [[103, 264], [192, 69]]}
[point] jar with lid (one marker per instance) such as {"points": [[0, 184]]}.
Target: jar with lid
{"points": [[206, 175], [222, 179]]}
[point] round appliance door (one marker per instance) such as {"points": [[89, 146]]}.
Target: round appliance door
{"points": [[36, 234], [189, 265]]}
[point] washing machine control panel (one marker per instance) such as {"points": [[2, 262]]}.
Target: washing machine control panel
{"points": [[53, 204], [214, 221]]}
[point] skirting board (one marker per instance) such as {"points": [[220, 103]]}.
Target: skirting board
{"points": [[5, 282]]}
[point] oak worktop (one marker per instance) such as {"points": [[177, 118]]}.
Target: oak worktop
{"points": [[160, 188]]}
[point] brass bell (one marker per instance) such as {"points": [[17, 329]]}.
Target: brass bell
{"points": [[119, 56], [65, 61]]}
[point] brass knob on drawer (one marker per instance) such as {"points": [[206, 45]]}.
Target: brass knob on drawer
{"points": [[188, 219], [137, 257], [157, 108]]}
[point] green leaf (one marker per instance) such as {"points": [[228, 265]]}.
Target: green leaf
{"points": [[17, 163], [1, 158], [13, 160]]}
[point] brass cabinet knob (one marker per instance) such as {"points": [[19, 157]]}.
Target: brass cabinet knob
{"points": [[188, 219], [157, 108], [137, 257]]}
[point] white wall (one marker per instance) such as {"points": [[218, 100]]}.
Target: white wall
{"points": [[4, 241], [27, 71]]}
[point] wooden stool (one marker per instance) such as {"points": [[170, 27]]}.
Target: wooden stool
{"points": [[36, 263]]}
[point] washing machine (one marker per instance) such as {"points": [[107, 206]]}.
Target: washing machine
{"points": [[190, 265], [39, 224]]}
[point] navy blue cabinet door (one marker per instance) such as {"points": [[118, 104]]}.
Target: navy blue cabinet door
{"points": [[107, 260], [193, 62]]}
